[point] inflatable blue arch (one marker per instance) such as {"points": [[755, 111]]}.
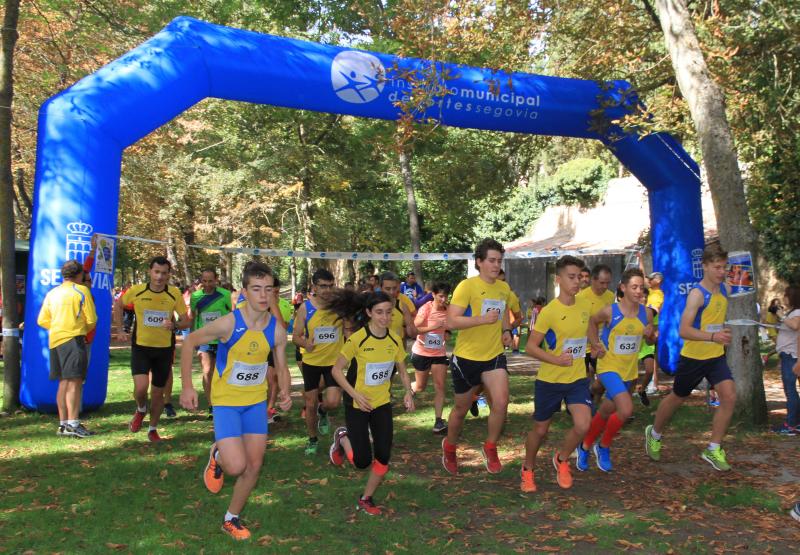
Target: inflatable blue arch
{"points": [[84, 131]]}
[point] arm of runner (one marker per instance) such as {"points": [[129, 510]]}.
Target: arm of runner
{"points": [[793, 323], [457, 321], [117, 318], [686, 331], [411, 331], [45, 317], [649, 330], [602, 316], [282, 367], [533, 349], [338, 375], [221, 328], [299, 336], [408, 399], [506, 335]]}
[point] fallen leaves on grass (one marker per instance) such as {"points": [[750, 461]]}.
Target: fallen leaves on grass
{"points": [[116, 546]]}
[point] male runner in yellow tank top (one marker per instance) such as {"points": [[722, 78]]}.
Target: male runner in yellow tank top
{"points": [[239, 389], [703, 356]]}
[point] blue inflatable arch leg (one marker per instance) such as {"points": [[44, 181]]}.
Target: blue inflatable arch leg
{"points": [[84, 130]]}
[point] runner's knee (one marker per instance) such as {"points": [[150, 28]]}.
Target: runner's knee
{"points": [[379, 469]]}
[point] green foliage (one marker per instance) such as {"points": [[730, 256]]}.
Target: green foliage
{"points": [[582, 181]]}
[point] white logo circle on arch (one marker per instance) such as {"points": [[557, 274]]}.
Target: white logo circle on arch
{"points": [[357, 77]]}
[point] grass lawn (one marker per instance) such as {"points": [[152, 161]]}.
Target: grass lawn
{"points": [[116, 492]]}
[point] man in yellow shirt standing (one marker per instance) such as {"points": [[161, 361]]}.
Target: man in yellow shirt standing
{"points": [[153, 340], [68, 313]]}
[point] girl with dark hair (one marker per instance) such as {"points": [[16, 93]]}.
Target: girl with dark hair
{"points": [[786, 345], [370, 355]]}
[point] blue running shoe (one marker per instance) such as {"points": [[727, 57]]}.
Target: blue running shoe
{"points": [[603, 455], [582, 462]]}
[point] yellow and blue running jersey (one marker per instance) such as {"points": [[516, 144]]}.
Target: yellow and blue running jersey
{"points": [[622, 338], [241, 376], [710, 317]]}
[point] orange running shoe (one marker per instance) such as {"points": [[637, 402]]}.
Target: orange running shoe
{"points": [[563, 473], [213, 477], [449, 460], [136, 422], [490, 458], [526, 483], [235, 529]]}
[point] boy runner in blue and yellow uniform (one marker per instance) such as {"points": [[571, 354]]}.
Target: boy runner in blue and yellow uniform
{"points": [[153, 340], [319, 334], [703, 356], [479, 310], [599, 296], [370, 355], [239, 390], [207, 304], [558, 340], [625, 325]]}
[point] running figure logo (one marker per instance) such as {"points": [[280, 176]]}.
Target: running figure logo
{"points": [[357, 77]]}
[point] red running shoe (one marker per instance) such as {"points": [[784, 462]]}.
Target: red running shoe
{"points": [[368, 506], [136, 422], [491, 459], [153, 436], [449, 461]]}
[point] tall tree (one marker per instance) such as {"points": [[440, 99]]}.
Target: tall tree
{"points": [[707, 107], [8, 36]]}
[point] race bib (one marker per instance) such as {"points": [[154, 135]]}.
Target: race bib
{"points": [[490, 305], [154, 318], [576, 347], [326, 334], [243, 374], [433, 341], [626, 344], [378, 373], [208, 317], [713, 328]]}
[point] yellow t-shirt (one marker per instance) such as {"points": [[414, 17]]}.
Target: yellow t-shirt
{"points": [[326, 329], [655, 299], [513, 303], [67, 311], [482, 342], [372, 362], [622, 338], [151, 309], [596, 302], [564, 328], [240, 378], [710, 317], [409, 304], [398, 323]]}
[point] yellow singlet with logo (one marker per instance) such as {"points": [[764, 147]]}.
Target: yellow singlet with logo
{"points": [[326, 329], [372, 361], [151, 310], [622, 338], [240, 378], [477, 297], [398, 323], [564, 328], [710, 317]]}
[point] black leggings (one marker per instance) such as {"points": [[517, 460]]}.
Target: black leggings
{"points": [[358, 425]]}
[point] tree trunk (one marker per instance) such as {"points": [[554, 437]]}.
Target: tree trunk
{"points": [[707, 107], [11, 347], [413, 213]]}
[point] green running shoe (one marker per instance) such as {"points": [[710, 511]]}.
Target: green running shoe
{"points": [[311, 447], [323, 425], [716, 458], [652, 445]]}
